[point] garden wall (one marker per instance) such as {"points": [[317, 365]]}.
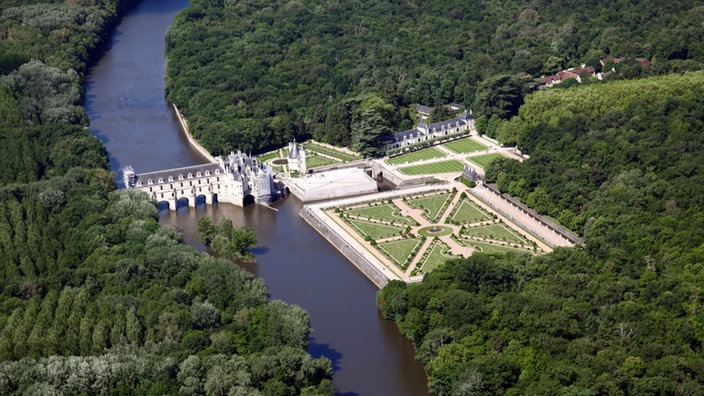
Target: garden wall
{"points": [[367, 268]]}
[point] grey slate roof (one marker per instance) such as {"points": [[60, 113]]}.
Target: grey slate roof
{"points": [[423, 109], [398, 137], [165, 174], [437, 126], [294, 154]]}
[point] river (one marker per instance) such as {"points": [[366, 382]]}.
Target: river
{"points": [[125, 101]]}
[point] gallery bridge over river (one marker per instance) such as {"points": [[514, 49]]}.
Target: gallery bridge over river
{"points": [[238, 180]]}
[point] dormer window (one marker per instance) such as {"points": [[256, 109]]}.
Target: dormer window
{"points": [[180, 177], [171, 178], [198, 174], [207, 173], [190, 175], [161, 180]]}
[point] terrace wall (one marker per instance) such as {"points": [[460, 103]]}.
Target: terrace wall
{"points": [[320, 225]]}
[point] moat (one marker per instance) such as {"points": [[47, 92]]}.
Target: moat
{"points": [[125, 100]]}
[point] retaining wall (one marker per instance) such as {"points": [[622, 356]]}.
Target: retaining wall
{"points": [[390, 175], [184, 127], [379, 279]]}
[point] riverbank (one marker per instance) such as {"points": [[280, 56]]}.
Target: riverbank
{"points": [[140, 128], [187, 133]]}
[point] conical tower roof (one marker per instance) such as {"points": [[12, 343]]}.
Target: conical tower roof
{"points": [[293, 154]]}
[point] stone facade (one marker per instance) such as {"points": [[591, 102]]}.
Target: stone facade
{"points": [[237, 179], [423, 132]]}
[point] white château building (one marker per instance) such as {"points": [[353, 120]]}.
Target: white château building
{"points": [[238, 180], [463, 123]]}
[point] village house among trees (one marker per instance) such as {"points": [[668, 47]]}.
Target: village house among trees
{"points": [[579, 73]]}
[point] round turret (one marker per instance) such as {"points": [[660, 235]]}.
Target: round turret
{"points": [[129, 177]]}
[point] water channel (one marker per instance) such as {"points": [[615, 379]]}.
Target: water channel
{"points": [[125, 100]]}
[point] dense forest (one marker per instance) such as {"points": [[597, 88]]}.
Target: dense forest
{"points": [[95, 296], [622, 164], [251, 75], [618, 161]]}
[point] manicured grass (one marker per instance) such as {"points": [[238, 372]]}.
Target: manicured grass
{"points": [[437, 256], [267, 156], [484, 160], [399, 250], [496, 231], [433, 168], [490, 247], [314, 161], [424, 154], [466, 145], [432, 205], [469, 212], [342, 156], [388, 212], [373, 230]]}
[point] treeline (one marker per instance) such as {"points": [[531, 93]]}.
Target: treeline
{"points": [[95, 296], [251, 76], [622, 164], [619, 163], [88, 271], [45, 48]]}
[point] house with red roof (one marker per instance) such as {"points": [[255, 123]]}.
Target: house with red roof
{"points": [[574, 73]]}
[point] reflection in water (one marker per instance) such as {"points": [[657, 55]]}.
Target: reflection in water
{"points": [[129, 114]]}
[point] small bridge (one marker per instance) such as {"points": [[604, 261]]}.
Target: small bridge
{"points": [[239, 181]]}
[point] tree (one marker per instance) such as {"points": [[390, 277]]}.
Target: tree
{"points": [[373, 134], [206, 230], [500, 95], [441, 113], [242, 239]]}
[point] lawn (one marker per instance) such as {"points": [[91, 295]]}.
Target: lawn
{"points": [[469, 212], [490, 247], [424, 154], [373, 230], [267, 156], [466, 145], [399, 250], [497, 232], [388, 212], [484, 160], [434, 168], [314, 161], [432, 205], [342, 156], [437, 256]]}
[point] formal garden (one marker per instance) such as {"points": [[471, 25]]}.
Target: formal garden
{"points": [[485, 159], [447, 166], [317, 155], [415, 156], [465, 145], [417, 233]]}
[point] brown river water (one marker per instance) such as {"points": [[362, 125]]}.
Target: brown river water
{"points": [[125, 101]]}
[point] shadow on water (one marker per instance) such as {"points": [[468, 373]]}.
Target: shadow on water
{"points": [[162, 8], [260, 250], [128, 112], [324, 350]]}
